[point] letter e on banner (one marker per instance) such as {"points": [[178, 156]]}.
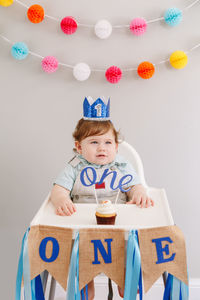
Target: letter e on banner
{"points": [[160, 250]]}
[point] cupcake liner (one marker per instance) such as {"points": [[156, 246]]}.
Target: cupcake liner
{"points": [[106, 220]]}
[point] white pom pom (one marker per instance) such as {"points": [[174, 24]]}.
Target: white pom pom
{"points": [[81, 71], [103, 29]]}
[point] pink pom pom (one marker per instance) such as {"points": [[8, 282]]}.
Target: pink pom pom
{"points": [[68, 25], [49, 64], [113, 74], [138, 26]]}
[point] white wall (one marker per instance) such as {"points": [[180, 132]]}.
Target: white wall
{"points": [[160, 116]]}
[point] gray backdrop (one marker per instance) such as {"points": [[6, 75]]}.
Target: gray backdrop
{"points": [[159, 117]]}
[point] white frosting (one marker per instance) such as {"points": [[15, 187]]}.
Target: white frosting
{"points": [[105, 208]]}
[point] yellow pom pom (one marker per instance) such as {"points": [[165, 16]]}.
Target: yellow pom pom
{"points": [[178, 59], [6, 2]]}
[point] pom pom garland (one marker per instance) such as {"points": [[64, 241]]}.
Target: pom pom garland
{"points": [[146, 70], [6, 2], [113, 74], [103, 29], [138, 26], [68, 25], [173, 16], [178, 59], [19, 51], [49, 64], [81, 71], [35, 13]]}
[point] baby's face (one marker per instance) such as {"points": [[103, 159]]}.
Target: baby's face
{"points": [[98, 149]]}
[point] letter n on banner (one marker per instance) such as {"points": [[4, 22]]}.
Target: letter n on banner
{"points": [[101, 250], [162, 249], [50, 249]]}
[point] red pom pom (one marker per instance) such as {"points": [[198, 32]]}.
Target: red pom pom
{"points": [[68, 25], [113, 74]]}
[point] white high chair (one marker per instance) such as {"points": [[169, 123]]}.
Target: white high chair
{"points": [[159, 216], [128, 152]]}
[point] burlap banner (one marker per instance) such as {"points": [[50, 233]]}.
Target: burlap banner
{"points": [[162, 249], [101, 250], [50, 249]]}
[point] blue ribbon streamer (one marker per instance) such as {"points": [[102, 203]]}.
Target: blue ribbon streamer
{"points": [[19, 272], [175, 289], [33, 289], [20, 268], [168, 287], [73, 292], [133, 268], [86, 292], [140, 285], [84, 296], [37, 288], [184, 291], [140, 279], [26, 271], [39, 293]]}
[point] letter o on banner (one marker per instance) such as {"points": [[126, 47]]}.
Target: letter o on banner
{"points": [[55, 249]]}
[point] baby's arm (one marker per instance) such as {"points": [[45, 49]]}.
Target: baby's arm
{"points": [[60, 197], [137, 195]]}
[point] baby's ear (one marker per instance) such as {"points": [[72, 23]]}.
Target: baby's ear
{"points": [[78, 147], [117, 146]]}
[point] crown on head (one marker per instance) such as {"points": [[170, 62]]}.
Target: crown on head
{"points": [[98, 110]]}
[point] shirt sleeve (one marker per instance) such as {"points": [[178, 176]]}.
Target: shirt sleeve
{"points": [[127, 169], [67, 177]]}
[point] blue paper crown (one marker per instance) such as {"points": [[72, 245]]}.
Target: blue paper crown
{"points": [[97, 110]]}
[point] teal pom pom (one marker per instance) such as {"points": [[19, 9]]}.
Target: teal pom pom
{"points": [[173, 16], [19, 51]]}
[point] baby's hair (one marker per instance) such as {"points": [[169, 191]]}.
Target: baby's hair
{"points": [[86, 128]]}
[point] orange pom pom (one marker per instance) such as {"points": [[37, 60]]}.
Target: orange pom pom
{"points": [[146, 70], [35, 13]]}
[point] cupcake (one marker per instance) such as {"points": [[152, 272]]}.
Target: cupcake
{"points": [[105, 213]]}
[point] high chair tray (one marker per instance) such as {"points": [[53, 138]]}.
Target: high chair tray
{"points": [[128, 216]]}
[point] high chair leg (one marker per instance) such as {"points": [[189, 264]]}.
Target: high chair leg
{"points": [[110, 289], [52, 289], [164, 276], [44, 277]]}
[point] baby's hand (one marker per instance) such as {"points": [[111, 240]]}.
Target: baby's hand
{"points": [[60, 198], [65, 207], [139, 197]]}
